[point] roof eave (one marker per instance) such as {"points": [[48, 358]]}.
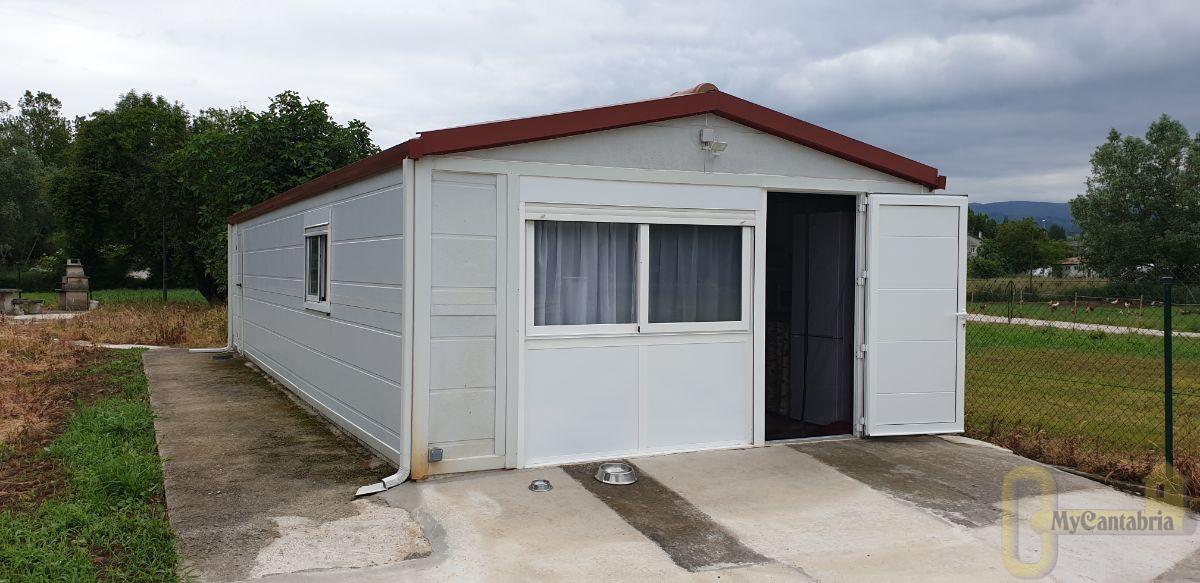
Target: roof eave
{"points": [[703, 98]]}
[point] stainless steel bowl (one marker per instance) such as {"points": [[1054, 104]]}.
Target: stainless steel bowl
{"points": [[540, 485], [616, 473]]}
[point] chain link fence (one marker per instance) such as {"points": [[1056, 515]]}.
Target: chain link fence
{"points": [[1073, 371]]}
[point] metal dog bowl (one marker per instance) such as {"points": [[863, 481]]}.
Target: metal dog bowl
{"points": [[540, 485], [616, 473]]}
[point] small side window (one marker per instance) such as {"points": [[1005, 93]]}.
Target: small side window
{"points": [[316, 273]]}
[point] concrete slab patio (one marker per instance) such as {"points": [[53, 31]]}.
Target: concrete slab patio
{"points": [[257, 488], [256, 485]]}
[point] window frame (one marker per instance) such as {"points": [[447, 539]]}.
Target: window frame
{"points": [[318, 302], [643, 218]]}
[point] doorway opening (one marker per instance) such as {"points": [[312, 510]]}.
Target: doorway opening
{"points": [[810, 315]]}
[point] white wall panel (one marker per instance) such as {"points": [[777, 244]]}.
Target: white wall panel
{"points": [[288, 286], [383, 297], [348, 363], [276, 262], [464, 262], [462, 415], [466, 410], [580, 402], [368, 261], [376, 215], [675, 145], [580, 191], [258, 236], [698, 394]]}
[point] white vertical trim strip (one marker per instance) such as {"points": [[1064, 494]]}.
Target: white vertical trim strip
{"points": [[500, 405], [759, 325], [514, 308], [860, 311], [422, 281], [643, 276], [527, 318]]}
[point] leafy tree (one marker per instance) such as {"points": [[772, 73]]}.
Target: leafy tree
{"points": [[25, 217], [39, 126], [981, 225], [1141, 211], [237, 158], [32, 143], [1056, 232], [1024, 245], [988, 261], [110, 196]]}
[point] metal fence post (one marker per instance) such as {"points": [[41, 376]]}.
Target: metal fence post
{"points": [[1012, 290], [1168, 396]]}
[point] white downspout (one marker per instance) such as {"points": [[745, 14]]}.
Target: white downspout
{"points": [[403, 472]]}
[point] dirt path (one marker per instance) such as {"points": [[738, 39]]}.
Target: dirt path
{"points": [[255, 485]]}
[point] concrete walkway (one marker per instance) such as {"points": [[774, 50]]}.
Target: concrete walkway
{"points": [[256, 485], [257, 488], [1076, 326]]}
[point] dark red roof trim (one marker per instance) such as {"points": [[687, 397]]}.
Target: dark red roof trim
{"points": [[703, 98]]}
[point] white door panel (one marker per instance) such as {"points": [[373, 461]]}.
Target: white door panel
{"points": [[915, 315], [915, 365], [896, 412], [916, 260], [917, 220], [919, 263]]}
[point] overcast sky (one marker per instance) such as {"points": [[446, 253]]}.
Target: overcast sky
{"points": [[1006, 97]]}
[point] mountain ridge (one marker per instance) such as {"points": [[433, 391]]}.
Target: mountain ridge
{"points": [[1053, 213]]}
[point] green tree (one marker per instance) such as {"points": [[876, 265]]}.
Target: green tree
{"points": [[110, 197], [237, 158], [981, 225], [25, 217], [32, 143], [1141, 211], [988, 261], [38, 126], [1056, 232], [1024, 245]]}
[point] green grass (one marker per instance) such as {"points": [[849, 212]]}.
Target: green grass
{"points": [[110, 523], [1103, 388], [115, 297]]}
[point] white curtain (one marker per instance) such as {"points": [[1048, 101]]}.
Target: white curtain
{"points": [[695, 273], [584, 273]]}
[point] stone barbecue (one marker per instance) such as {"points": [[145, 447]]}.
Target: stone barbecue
{"points": [[73, 295]]}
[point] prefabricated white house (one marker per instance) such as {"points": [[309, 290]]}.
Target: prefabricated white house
{"points": [[682, 273]]}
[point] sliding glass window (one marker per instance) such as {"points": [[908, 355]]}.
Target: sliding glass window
{"points": [[695, 273], [584, 273]]}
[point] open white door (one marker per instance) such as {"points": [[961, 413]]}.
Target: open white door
{"points": [[915, 319]]}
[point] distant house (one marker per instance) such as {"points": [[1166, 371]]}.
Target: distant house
{"points": [[1073, 267], [973, 244]]}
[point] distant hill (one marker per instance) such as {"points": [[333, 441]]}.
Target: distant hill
{"points": [[1054, 213]]}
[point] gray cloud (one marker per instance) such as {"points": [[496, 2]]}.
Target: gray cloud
{"points": [[1007, 97]]}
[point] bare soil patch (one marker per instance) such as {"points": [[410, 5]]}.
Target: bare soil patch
{"points": [[42, 379]]}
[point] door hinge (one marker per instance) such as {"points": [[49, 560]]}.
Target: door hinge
{"points": [[861, 352], [862, 278], [862, 207]]}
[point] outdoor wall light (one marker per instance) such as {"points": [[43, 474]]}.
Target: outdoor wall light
{"points": [[709, 142]]}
